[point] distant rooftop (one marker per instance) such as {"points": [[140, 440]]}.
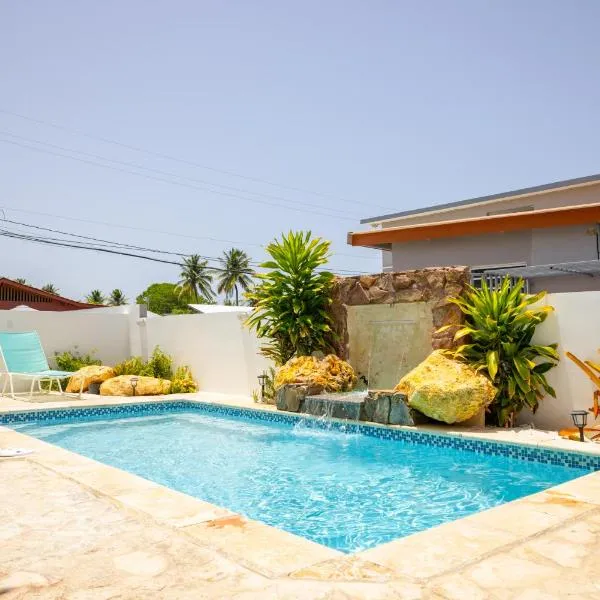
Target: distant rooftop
{"points": [[538, 189], [219, 308]]}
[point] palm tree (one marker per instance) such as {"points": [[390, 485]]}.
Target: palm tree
{"points": [[236, 273], [51, 289], [195, 279], [117, 298], [21, 280], [95, 297]]}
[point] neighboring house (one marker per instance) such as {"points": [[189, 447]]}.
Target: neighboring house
{"points": [[548, 234], [13, 295]]}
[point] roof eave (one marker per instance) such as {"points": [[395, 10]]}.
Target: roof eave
{"points": [[490, 199]]}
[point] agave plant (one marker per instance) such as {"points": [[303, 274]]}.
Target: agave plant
{"points": [[499, 327], [292, 298]]}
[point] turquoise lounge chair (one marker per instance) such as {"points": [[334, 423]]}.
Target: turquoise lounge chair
{"points": [[24, 357]]}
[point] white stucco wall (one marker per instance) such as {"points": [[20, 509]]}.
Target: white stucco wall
{"points": [[222, 353], [575, 326]]}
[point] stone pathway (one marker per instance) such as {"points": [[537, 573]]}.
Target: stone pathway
{"points": [[59, 540]]}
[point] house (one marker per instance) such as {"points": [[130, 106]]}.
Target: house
{"points": [[14, 295], [548, 234]]}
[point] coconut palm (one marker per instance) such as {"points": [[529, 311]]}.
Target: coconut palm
{"points": [[236, 273], [117, 298], [95, 297], [195, 279], [51, 289]]}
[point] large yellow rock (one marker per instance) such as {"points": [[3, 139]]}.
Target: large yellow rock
{"points": [[446, 390], [87, 375], [330, 373], [146, 386]]}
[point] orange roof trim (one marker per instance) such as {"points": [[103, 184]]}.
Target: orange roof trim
{"points": [[537, 219]]}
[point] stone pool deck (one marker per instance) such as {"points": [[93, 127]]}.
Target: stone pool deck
{"points": [[74, 529]]}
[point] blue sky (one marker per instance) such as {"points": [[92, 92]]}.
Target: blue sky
{"points": [[365, 106]]}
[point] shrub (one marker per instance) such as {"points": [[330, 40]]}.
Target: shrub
{"points": [[499, 327], [73, 361], [292, 298], [183, 381], [160, 365]]}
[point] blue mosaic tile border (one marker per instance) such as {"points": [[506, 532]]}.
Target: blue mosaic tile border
{"points": [[577, 460]]}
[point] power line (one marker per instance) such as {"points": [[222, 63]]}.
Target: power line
{"points": [[149, 230], [109, 247], [179, 183], [170, 174], [74, 131]]}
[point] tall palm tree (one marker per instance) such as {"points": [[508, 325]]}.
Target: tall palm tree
{"points": [[236, 273], [51, 289], [95, 297], [117, 298], [195, 279]]}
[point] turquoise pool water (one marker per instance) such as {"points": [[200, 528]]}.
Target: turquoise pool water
{"points": [[348, 491]]}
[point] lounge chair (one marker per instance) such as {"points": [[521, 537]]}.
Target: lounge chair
{"points": [[24, 357]]}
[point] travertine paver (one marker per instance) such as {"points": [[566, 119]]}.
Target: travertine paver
{"points": [[75, 529]]}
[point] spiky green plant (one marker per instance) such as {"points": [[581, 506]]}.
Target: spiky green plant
{"points": [[499, 327], [292, 298], [237, 273]]}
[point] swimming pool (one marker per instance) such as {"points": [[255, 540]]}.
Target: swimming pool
{"points": [[347, 486]]}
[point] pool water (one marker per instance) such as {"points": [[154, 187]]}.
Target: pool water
{"points": [[346, 491]]}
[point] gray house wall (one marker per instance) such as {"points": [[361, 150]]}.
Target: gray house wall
{"points": [[529, 247]]}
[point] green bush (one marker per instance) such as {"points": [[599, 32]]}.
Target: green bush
{"points": [[160, 365], [183, 381], [71, 361]]}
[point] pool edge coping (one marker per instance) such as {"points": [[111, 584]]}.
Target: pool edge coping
{"points": [[453, 544]]}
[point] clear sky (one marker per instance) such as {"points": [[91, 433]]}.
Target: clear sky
{"points": [[367, 107]]}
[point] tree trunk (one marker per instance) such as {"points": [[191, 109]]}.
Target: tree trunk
{"points": [[236, 295]]}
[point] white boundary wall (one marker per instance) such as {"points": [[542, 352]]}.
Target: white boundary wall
{"points": [[575, 326], [222, 353]]}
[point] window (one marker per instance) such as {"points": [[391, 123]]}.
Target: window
{"points": [[494, 280]]}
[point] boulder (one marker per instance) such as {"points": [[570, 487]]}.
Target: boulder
{"points": [[329, 374], [146, 386], [389, 408], [87, 375], [445, 389], [291, 396]]}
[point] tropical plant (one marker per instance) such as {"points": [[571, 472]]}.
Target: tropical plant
{"points": [[117, 298], [499, 327], [95, 297], [21, 280], [51, 289], [236, 273], [71, 361], [183, 381], [164, 299], [195, 279], [160, 365], [292, 298]]}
